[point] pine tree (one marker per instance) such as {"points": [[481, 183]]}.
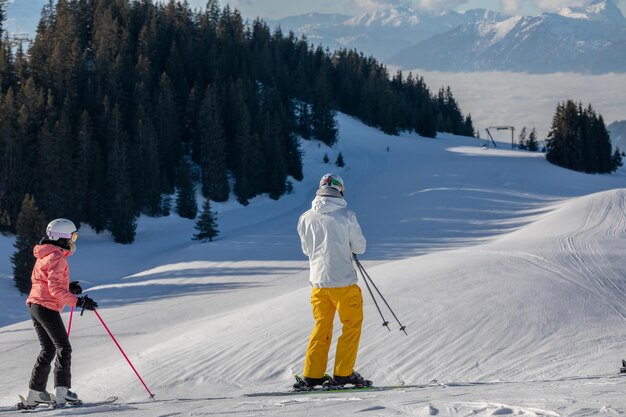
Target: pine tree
{"points": [[186, 204], [468, 126], [168, 130], [8, 77], [166, 205], [521, 139], [323, 123], [532, 144], [340, 162], [206, 225], [212, 148], [579, 140], [3, 14], [123, 215], [31, 225], [273, 157], [5, 219], [617, 158], [153, 61], [325, 159], [11, 153], [147, 170], [248, 175], [304, 120]]}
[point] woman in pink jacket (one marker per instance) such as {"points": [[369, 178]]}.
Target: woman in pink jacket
{"points": [[51, 292]]}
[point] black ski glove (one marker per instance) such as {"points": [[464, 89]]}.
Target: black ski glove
{"points": [[75, 288], [86, 303]]}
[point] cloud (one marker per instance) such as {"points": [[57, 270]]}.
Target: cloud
{"points": [[519, 99], [515, 6], [239, 4], [440, 5], [376, 5], [511, 6], [552, 5]]}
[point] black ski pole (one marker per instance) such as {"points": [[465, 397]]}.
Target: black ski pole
{"points": [[385, 322], [366, 277]]}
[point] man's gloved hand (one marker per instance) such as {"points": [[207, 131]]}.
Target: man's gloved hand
{"points": [[86, 303], [75, 288]]}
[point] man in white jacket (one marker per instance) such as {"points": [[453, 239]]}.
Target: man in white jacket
{"points": [[330, 234]]}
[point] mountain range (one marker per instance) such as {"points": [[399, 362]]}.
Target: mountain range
{"points": [[381, 33], [590, 39]]}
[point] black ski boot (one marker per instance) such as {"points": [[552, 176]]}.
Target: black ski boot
{"points": [[354, 379], [307, 384]]}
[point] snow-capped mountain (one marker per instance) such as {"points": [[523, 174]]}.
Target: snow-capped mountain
{"points": [[588, 40], [617, 130], [381, 33], [603, 11]]}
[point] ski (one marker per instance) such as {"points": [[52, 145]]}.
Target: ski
{"points": [[22, 407], [346, 389]]}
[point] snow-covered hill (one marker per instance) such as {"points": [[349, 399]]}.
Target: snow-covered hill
{"points": [[507, 271]]}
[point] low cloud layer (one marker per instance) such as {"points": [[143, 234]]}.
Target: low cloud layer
{"points": [[514, 6], [435, 5], [519, 99]]}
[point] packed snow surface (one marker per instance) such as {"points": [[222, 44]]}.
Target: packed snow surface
{"points": [[508, 272]]}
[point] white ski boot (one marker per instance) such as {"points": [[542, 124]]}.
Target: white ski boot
{"points": [[36, 398], [64, 395]]}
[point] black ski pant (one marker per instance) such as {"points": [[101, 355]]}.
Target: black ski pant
{"points": [[54, 344]]}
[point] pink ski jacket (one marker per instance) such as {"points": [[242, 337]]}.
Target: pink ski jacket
{"points": [[51, 278]]}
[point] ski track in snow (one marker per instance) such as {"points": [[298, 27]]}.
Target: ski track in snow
{"points": [[508, 272]]}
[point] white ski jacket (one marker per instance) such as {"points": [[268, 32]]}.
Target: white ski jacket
{"points": [[330, 234]]}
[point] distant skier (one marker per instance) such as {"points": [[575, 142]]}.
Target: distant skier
{"points": [[50, 293], [330, 234]]}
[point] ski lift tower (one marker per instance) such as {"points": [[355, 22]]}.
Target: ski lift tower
{"points": [[16, 39], [511, 128]]}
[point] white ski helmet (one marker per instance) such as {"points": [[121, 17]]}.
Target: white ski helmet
{"points": [[61, 229], [332, 181]]}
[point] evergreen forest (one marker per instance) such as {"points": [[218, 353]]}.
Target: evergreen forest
{"points": [[121, 108], [579, 140]]}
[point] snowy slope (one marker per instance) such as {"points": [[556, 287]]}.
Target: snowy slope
{"points": [[508, 272]]}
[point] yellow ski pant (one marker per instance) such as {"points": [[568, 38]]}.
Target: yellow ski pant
{"points": [[348, 301]]}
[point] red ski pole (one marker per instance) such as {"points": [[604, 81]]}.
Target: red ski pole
{"points": [[121, 350], [69, 325]]}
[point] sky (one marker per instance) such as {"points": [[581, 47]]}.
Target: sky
{"points": [[280, 8]]}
